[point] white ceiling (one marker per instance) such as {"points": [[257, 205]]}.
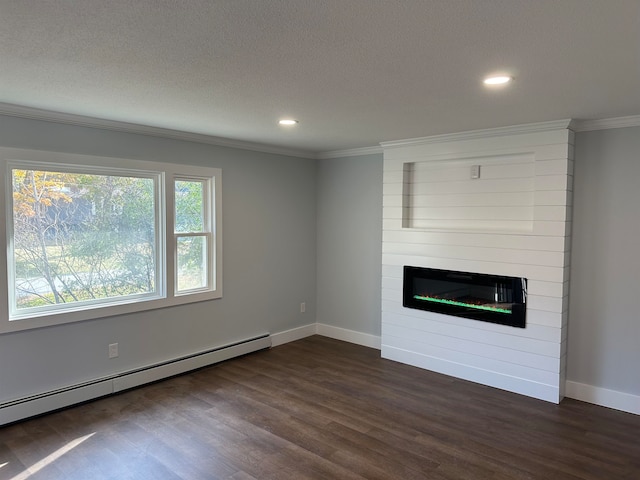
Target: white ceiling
{"points": [[354, 72]]}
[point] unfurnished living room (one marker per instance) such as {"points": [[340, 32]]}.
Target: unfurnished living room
{"points": [[319, 239]]}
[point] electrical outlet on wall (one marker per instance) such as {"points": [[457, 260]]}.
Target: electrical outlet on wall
{"points": [[303, 307], [113, 350]]}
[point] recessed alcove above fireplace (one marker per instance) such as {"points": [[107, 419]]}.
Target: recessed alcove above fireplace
{"points": [[491, 202], [458, 194]]}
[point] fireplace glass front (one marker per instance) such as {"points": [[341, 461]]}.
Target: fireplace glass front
{"points": [[488, 298]]}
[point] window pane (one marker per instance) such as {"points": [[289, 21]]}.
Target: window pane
{"points": [[189, 198], [81, 237], [192, 263]]}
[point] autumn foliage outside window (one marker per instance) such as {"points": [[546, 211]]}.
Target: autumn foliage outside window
{"points": [[82, 237], [86, 240]]}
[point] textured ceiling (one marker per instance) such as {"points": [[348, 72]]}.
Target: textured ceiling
{"points": [[354, 72]]}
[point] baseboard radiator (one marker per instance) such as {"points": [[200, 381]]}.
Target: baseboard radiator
{"points": [[23, 408]]}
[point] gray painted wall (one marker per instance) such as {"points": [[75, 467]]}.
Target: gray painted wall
{"points": [[604, 317], [350, 243], [272, 226], [269, 235]]}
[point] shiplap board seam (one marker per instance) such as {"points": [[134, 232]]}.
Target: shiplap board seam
{"points": [[533, 330], [483, 336], [471, 358], [468, 372]]}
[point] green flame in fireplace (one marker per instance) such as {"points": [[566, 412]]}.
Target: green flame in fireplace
{"points": [[462, 304]]}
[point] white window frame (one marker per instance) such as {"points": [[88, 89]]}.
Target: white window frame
{"points": [[207, 233], [164, 175]]}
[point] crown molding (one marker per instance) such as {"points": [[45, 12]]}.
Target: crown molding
{"points": [[352, 152], [574, 125], [484, 133], [607, 123], [118, 126], [126, 127]]}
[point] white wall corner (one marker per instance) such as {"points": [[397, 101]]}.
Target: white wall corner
{"points": [[351, 336], [293, 334]]}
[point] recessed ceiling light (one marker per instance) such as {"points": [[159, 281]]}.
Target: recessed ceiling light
{"points": [[288, 121], [497, 80]]}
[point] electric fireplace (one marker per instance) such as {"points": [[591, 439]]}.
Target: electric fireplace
{"points": [[489, 298]]}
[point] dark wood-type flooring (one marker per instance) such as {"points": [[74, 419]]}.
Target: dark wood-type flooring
{"points": [[322, 409]]}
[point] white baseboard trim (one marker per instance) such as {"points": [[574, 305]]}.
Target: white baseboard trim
{"points": [[293, 334], [351, 336], [603, 397]]}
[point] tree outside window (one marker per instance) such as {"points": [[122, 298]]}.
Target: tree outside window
{"points": [[82, 237], [91, 237]]}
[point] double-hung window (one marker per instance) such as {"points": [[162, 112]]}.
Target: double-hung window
{"points": [[89, 237], [193, 236]]}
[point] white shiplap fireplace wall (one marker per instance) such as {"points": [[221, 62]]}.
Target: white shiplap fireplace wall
{"points": [[514, 220]]}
